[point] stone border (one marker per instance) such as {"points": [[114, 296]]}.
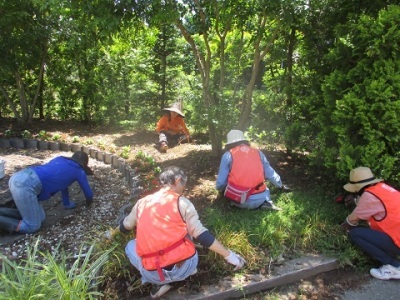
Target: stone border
{"points": [[115, 161], [290, 272]]}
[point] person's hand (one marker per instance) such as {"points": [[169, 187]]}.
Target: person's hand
{"points": [[351, 200], [71, 205], [236, 260], [347, 226], [89, 201], [109, 234], [285, 188]]}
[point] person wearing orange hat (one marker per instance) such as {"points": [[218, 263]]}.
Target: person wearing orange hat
{"points": [[379, 205], [171, 128]]}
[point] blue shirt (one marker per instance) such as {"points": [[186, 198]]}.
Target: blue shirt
{"points": [[57, 175], [269, 174]]}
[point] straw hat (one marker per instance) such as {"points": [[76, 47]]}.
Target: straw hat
{"points": [[176, 107], [235, 136], [360, 177]]}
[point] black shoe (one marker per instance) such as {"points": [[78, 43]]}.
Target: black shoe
{"points": [[158, 290]]}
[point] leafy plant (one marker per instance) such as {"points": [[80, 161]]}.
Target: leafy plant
{"points": [[126, 150], [101, 144], [89, 141], [43, 135], [56, 137], [9, 133], [112, 148], [52, 276], [26, 134], [75, 139]]}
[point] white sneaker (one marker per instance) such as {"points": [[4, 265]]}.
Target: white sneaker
{"points": [[386, 272], [270, 205], [158, 290], [194, 272]]}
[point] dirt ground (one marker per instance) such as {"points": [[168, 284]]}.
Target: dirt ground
{"points": [[112, 193]]}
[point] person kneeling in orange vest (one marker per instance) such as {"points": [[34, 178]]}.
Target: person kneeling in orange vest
{"points": [[242, 174], [379, 205], [165, 223]]}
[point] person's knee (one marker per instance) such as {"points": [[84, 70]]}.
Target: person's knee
{"points": [[28, 228]]}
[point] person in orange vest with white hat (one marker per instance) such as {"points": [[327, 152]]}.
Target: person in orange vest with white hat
{"points": [[379, 205], [242, 174]]}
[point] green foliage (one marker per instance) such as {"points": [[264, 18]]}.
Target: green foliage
{"points": [[56, 137], [27, 134], [43, 135], [52, 276], [125, 152], [363, 98], [88, 141]]}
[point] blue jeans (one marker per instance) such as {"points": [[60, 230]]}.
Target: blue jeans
{"points": [[376, 244], [25, 186], [176, 274]]}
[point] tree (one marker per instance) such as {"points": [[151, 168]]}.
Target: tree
{"points": [[250, 26], [23, 56]]}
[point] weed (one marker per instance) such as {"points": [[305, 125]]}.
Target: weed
{"points": [[75, 139], [26, 134], [101, 144], [126, 150], [56, 137], [112, 148], [89, 141], [43, 135]]}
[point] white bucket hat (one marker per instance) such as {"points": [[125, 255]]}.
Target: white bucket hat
{"points": [[235, 136], [360, 177], [176, 107]]}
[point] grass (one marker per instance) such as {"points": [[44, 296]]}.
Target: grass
{"points": [[308, 223], [52, 275]]}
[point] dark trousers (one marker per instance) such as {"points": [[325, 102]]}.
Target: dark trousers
{"points": [[171, 139], [376, 244]]}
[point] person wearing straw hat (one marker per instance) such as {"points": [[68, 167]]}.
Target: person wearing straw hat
{"points": [[164, 224], [32, 185], [379, 205], [171, 127], [242, 174]]}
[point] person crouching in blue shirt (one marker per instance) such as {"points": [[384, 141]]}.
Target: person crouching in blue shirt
{"points": [[32, 185]]}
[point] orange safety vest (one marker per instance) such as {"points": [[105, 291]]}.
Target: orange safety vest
{"points": [[161, 233], [247, 169], [390, 199]]}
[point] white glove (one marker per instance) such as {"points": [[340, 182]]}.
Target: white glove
{"points": [[109, 234], [236, 260]]}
